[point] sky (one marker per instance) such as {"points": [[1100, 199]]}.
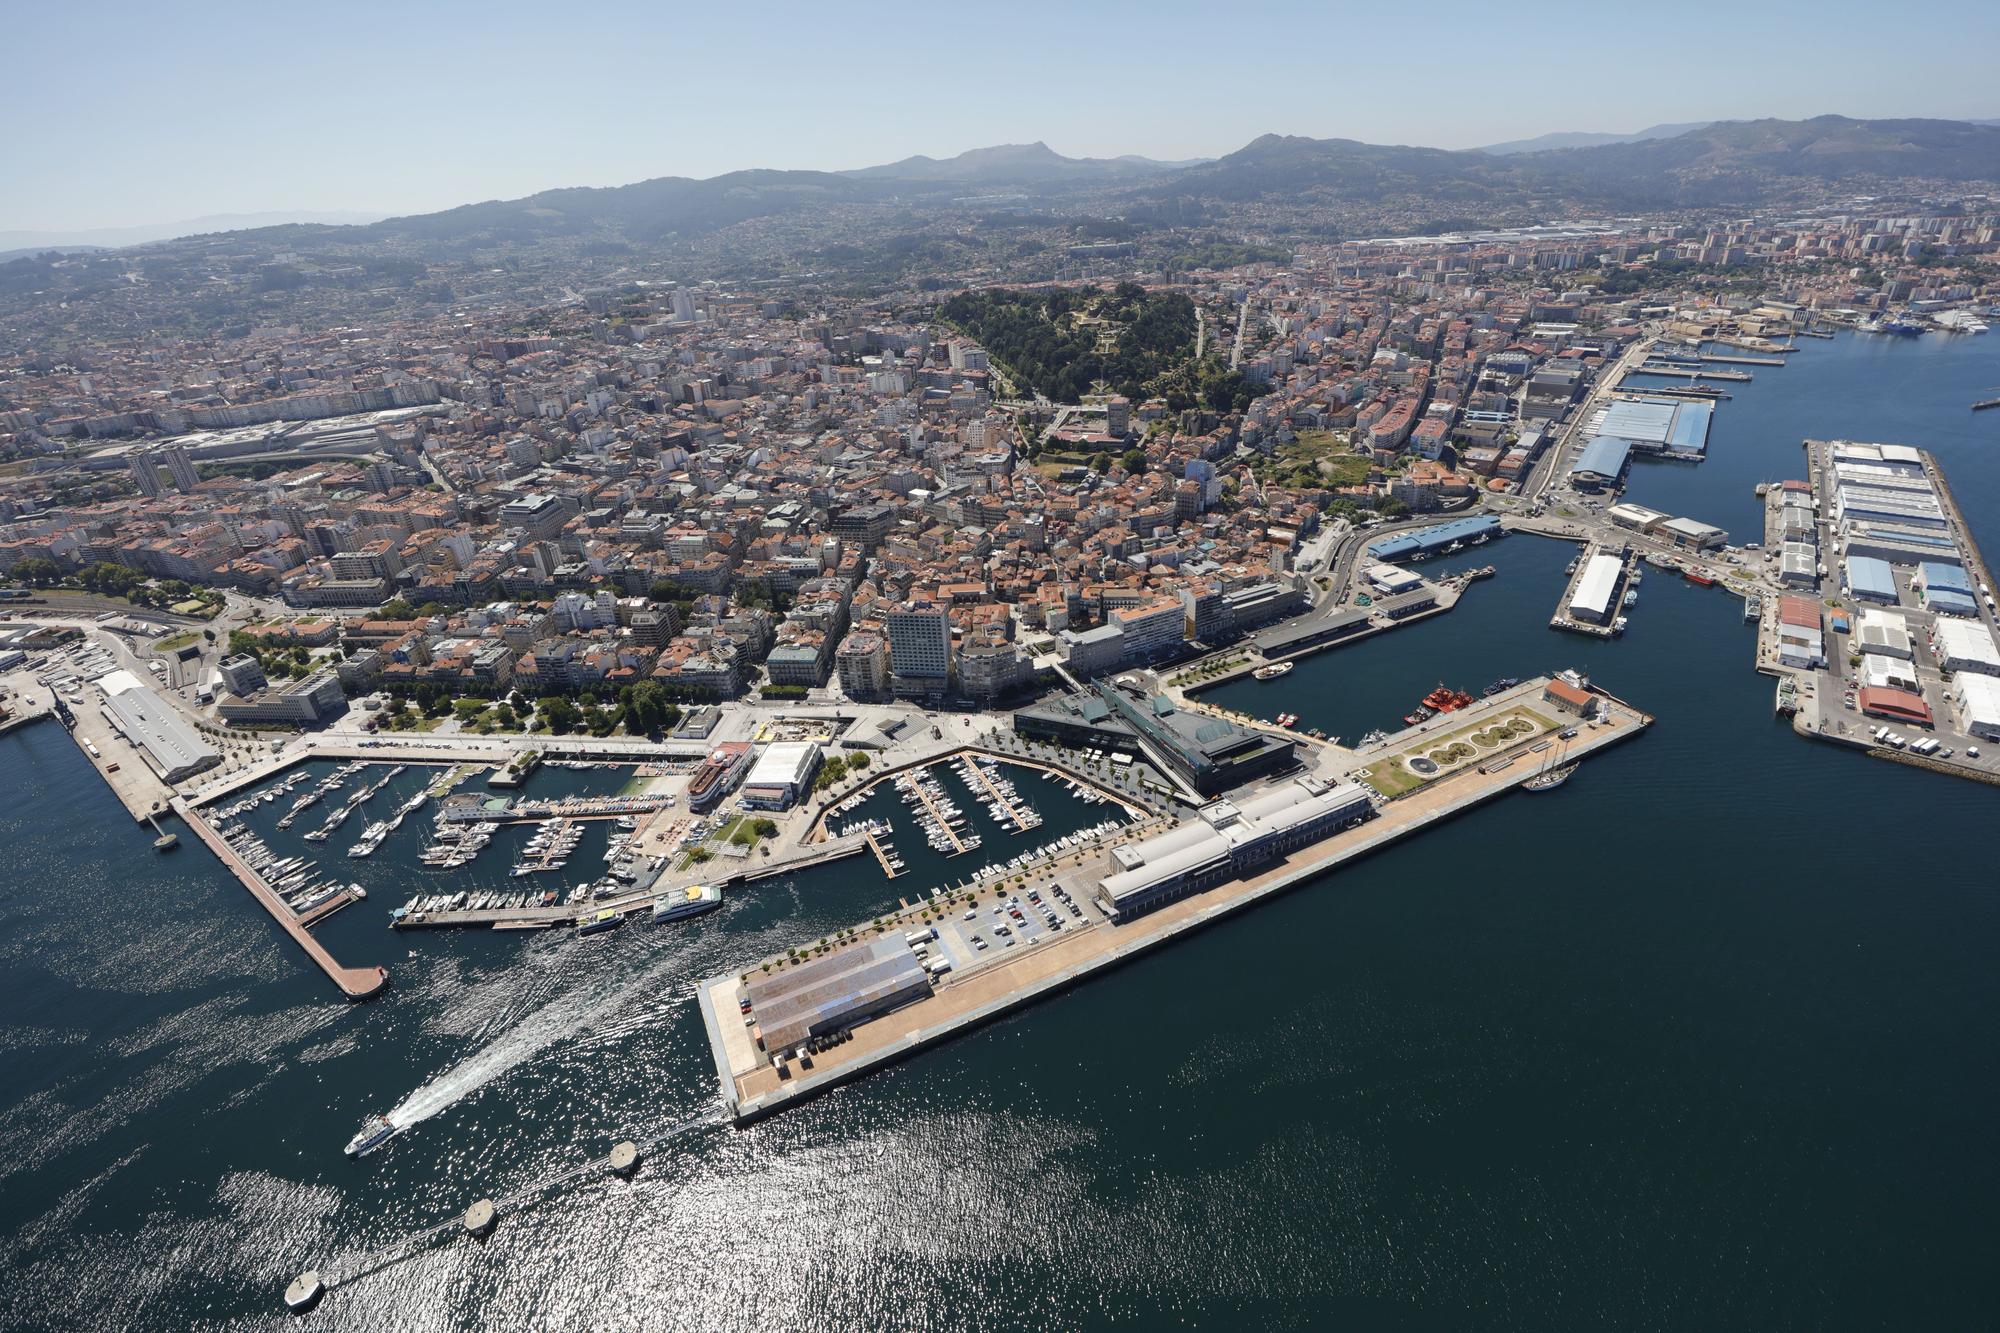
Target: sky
{"points": [[126, 112]]}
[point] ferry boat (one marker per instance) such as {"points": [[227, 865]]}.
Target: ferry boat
{"points": [[691, 901], [1753, 608], [376, 1130], [608, 919], [1273, 671]]}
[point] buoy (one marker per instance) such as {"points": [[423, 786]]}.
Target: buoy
{"points": [[479, 1218], [305, 1291], [624, 1158]]}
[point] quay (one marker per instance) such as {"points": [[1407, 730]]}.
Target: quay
{"points": [[356, 983], [1593, 580], [471, 810], [972, 991]]}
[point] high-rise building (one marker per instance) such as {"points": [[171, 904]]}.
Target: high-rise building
{"points": [[180, 468], [919, 642], [145, 474]]}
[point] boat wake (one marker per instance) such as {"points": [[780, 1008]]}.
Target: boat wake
{"points": [[576, 1014]]}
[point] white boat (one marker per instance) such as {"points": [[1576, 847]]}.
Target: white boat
{"points": [[1272, 672]]}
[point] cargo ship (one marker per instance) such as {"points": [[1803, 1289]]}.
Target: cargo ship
{"points": [[682, 903], [1443, 699]]}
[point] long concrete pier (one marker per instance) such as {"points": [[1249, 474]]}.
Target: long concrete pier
{"points": [[752, 1087], [356, 983]]}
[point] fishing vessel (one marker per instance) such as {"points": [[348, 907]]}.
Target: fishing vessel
{"points": [[1443, 699], [1698, 578], [376, 1130], [683, 903], [1502, 684], [1273, 671]]}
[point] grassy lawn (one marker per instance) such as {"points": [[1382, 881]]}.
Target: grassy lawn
{"points": [[1317, 458], [1389, 776], [176, 642]]}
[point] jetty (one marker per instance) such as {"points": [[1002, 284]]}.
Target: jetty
{"points": [[356, 983]]}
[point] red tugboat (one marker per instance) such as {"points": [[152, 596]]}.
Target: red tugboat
{"points": [[1443, 699]]}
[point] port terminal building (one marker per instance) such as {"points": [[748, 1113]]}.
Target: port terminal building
{"points": [[1210, 754], [1227, 839], [781, 775]]}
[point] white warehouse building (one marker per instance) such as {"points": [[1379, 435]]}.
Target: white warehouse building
{"points": [[1966, 645], [1977, 698], [1592, 599]]}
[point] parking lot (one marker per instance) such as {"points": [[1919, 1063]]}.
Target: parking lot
{"points": [[1000, 924]]}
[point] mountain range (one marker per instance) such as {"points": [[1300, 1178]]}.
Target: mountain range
{"points": [[1585, 139], [1721, 164]]}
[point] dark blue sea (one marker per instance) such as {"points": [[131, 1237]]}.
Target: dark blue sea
{"points": [[1709, 1038]]}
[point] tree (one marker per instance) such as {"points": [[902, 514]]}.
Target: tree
{"points": [[396, 609], [560, 715], [37, 571], [1133, 461]]}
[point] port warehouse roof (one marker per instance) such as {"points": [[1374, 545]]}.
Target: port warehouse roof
{"points": [[1946, 588], [1898, 545], [1894, 703], [1605, 456], [1967, 645], [153, 725], [852, 983], [1434, 538], [1657, 423], [1226, 833], [1871, 578], [1887, 633], [1594, 590], [1800, 612], [1902, 455], [1649, 425]]}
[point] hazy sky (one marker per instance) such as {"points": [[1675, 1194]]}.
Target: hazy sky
{"points": [[119, 113]]}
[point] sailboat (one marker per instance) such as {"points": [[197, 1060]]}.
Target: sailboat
{"points": [[1553, 774]]}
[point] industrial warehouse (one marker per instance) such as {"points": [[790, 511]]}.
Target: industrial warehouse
{"points": [[1666, 427], [1438, 538]]}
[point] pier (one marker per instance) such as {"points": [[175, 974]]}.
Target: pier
{"points": [[751, 1086], [957, 844], [874, 845], [356, 983], [1020, 820], [1564, 621]]}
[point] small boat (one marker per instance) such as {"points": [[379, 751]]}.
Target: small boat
{"points": [[1272, 672], [376, 1130], [609, 919], [1698, 578], [1501, 685]]}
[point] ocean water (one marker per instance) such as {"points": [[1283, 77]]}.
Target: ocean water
{"points": [[1707, 1038]]}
